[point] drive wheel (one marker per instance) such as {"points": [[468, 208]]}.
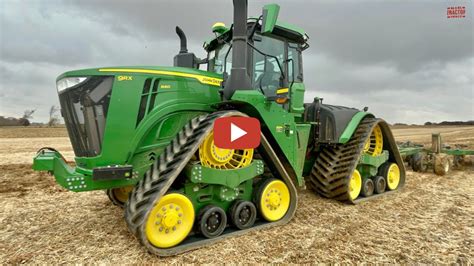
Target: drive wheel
{"points": [[441, 164], [119, 196], [380, 184], [391, 172], [212, 221], [243, 214], [374, 144], [273, 199], [170, 220], [419, 162], [367, 187], [355, 185], [212, 156]]}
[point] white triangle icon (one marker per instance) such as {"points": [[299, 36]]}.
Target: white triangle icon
{"points": [[236, 132]]}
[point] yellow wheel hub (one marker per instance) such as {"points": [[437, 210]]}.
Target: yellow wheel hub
{"points": [[393, 176], [374, 145], [214, 157], [274, 201], [355, 185], [170, 221], [121, 194]]}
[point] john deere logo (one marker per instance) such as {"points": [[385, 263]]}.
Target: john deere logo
{"points": [[122, 78]]}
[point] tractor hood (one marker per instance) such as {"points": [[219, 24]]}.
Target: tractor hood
{"points": [[204, 77], [85, 96]]}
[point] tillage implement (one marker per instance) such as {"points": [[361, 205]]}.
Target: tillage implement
{"points": [[144, 134]]}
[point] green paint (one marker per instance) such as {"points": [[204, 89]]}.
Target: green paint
{"points": [[221, 196], [291, 27], [352, 126], [292, 138], [270, 15], [368, 164], [297, 97], [230, 177]]}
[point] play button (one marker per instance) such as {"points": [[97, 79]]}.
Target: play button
{"points": [[237, 133]]}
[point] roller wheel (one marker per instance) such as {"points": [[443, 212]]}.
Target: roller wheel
{"points": [[118, 196], [272, 199], [380, 184], [391, 173], [170, 220], [441, 165], [355, 185], [419, 162], [367, 187], [243, 214], [212, 221]]}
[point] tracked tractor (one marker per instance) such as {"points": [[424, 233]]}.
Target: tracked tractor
{"points": [[145, 135]]}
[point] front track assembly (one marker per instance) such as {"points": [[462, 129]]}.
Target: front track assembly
{"points": [[164, 171]]}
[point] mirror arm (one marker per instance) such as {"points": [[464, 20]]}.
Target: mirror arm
{"points": [[254, 28]]}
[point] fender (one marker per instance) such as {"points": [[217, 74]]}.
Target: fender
{"points": [[352, 126], [332, 124]]}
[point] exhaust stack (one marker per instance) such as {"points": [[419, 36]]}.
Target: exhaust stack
{"points": [[182, 39], [239, 78], [184, 58]]}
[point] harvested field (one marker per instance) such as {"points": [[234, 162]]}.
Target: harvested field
{"points": [[430, 221], [450, 134]]}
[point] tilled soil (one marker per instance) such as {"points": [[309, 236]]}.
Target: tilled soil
{"points": [[430, 221]]}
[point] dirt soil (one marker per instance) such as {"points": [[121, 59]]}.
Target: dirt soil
{"points": [[430, 221]]}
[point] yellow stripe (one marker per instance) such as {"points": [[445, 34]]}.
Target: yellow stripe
{"points": [[282, 90], [200, 78]]}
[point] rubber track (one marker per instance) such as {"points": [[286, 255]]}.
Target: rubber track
{"points": [[334, 165], [167, 167]]}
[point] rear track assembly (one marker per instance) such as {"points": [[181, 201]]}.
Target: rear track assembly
{"points": [[334, 165]]}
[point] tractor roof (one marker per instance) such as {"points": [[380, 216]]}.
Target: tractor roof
{"points": [[282, 29]]}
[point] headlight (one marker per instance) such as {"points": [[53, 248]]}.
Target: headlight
{"points": [[65, 83]]}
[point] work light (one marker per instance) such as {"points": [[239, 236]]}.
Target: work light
{"points": [[66, 83]]}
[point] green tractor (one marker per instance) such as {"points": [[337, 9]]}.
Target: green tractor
{"points": [[145, 136]]}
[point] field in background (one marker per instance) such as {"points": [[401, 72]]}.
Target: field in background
{"points": [[430, 221], [450, 134]]}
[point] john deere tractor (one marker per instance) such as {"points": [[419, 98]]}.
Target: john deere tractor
{"points": [[145, 136]]}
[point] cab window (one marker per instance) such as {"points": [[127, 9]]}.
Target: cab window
{"points": [[266, 69], [220, 63], [295, 73]]}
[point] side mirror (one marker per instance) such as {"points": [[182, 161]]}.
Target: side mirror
{"points": [[270, 15]]}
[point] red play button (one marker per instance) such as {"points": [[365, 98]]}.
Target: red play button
{"points": [[237, 133]]}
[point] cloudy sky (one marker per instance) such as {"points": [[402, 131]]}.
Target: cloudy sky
{"points": [[405, 60]]}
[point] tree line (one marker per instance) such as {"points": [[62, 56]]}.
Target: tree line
{"points": [[25, 119]]}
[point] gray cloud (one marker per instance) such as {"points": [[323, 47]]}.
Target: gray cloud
{"points": [[404, 60]]}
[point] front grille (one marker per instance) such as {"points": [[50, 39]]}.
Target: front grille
{"points": [[84, 109]]}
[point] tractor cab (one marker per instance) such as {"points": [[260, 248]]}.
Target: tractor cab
{"points": [[274, 61]]}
